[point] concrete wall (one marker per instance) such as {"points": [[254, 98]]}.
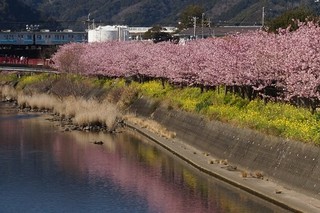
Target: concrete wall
{"points": [[293, 164]]}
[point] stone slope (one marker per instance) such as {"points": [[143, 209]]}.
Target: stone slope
{"points": [[293, 164]]}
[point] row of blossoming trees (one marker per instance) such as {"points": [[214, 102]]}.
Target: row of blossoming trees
{"points": [[283, 66]]}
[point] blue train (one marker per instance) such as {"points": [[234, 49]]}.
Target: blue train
{"points": [[41, 38]]}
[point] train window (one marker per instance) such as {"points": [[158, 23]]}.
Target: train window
{"points": [[38, 36], [8, 37], [29, 37]]}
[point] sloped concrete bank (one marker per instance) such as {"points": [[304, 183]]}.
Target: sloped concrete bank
{"points": [[294, 165]]}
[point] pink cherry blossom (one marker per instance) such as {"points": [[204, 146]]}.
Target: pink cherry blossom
{"points": [[287, 63]]}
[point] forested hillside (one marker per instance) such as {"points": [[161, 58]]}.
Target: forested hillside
{"points": [[73, 13], [16, 14]]}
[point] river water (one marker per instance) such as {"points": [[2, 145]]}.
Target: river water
{"points": [[43, 169]]}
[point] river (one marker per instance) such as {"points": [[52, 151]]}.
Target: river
{"points": [[43, 169]]}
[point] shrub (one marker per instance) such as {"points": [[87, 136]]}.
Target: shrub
{"points": [[31, 79]]}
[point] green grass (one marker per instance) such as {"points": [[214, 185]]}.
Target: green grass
{"points": [[26, 80], [108, 83], [277, 119], [154, 89], [8, 77]]}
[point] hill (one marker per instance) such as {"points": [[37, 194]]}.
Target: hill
{"points": [[16, 14], [73, 13]]}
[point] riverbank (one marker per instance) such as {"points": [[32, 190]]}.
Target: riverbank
{"points": [[245, 158], [262, 187], [187, 147]]}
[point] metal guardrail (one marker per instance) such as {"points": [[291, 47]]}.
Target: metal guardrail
{"points": [[27, 69]]}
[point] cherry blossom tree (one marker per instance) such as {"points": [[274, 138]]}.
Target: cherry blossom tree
{"points": [[283, 66]]}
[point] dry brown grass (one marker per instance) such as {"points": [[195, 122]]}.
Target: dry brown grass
{"points": [[259, 174], [124, 97], [86, 112], [83, 112], [92, 111], [8, 92], [244, 174], [37, 101], [68, 107], [151, 125], [224, 162]]}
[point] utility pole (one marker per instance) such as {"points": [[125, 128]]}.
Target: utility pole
{"points": [[262, 21], [88, 20], [210, 29], [194, 26], [202, 23], [90, 23]]}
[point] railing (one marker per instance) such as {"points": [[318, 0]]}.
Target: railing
{"points": [[13, 60], [24, 64]]}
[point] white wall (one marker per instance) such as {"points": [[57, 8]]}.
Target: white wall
{"points": [[108, 33]]}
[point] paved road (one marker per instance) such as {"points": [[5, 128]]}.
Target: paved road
{"points": [[27, 69]]}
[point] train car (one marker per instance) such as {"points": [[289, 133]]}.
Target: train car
{"points": [[16, 38], [59, 38], [37, 44], [39, 38]]}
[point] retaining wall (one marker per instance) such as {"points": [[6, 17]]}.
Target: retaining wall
{"points": [[293, 164]]}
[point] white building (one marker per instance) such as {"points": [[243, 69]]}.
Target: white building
{"points": [[119, 33], [108, 33], [136, 33]]}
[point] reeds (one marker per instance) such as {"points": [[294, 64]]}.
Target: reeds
{"points": [[8, 92], [37, 101], [82, 112]]}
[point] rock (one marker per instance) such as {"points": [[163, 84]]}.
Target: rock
{"points": [[278, 191], [230, 168], [96, 128], [8, 98], [98, 142], [87, 128], [73, 127]]}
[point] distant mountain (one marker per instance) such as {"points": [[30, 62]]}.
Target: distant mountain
{"points": [[16, 14], [12, 12], [73, 13]]}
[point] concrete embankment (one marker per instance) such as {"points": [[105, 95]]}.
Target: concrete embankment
{"points": [[290, 169]]}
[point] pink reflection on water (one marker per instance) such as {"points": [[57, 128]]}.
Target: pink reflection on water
{"points": [[99, 162]]}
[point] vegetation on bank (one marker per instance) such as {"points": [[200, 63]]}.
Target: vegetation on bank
{"points": [[67, 97], [277, 119]]}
